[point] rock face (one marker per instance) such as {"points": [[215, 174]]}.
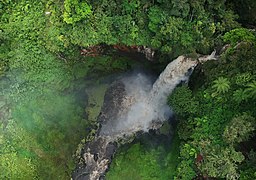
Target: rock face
{"points": [[97, 154], [148, 52], [113, 99], [97, 50]]}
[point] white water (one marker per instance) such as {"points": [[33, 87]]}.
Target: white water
{"points": [[146, 104]]}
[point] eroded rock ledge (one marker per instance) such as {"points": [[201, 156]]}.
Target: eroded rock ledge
{"points": [[97, 50], [97, 154]]}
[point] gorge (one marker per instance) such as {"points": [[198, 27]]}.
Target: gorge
{"points": [[133, 104], [121, 89]]}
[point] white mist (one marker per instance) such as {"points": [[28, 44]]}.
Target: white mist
{"points": [[146, 103]]}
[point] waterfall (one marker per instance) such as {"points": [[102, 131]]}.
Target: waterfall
{"points": [[135, 104], [145, 104]]}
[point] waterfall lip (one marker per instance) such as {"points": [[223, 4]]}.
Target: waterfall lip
{"points": [[205, 58]]}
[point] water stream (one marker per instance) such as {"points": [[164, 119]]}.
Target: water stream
{"points": [[145, 103]]}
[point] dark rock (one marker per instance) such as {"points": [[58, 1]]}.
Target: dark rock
{"points": [[112, 101], [97, 154], [80, 174]]}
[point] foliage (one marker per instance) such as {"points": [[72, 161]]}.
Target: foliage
{"points": [[140, 162], [185, 171], [75, 11], [249, 170], [251, 89], [171, 26], [222, 162], [40, 59], [221, 85], [238, 35], [239, 129], [136, 158], [240, 95], [216, 137], [15, 155], [154, 19], [186, 103], [51, 119], [39, 85], [246, 10]]}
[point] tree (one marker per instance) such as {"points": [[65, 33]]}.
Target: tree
{"points": [[239, 129], [246, 10], [240, 95], [14, 143], [183, 102], [75, 11], [156, 17], [185, 171], [243, 78], [222, 85], [239, 34], [221, 162], [251, 90]]}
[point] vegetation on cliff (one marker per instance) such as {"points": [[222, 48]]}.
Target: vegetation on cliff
{"points": [[217, 118]]}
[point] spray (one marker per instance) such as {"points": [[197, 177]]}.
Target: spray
{"points": [[142, 108], [145, 103]]}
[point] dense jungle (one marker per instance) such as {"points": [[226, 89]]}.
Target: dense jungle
{"points": [[60, 58]]}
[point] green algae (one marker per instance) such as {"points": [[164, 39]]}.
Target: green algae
{"points": [[95, 101]]}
